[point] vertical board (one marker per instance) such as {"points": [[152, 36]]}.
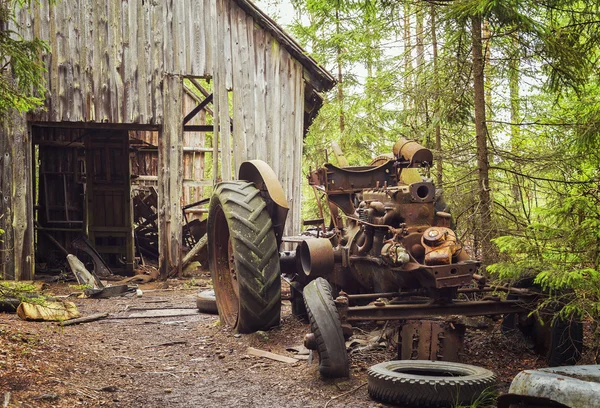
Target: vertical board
{"points": [[238, 46], [170, 180], [16, 207], [215, 46], [260, 94], [297, 135], [222, 60]]}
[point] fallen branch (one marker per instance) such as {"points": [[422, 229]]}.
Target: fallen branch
{"points": [[344, 394], [84, 319], [170, 343]]}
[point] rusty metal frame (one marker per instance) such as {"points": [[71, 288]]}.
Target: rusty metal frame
{"points": [[427, 310]]}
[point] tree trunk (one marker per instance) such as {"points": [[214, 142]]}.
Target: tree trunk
{"points": [[487, 51], [485, 216], [515, 117], [421, 114], [438, 137], [408, 70], [340, 88]]}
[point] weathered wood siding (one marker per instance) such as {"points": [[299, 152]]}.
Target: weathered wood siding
{"points": [[16, 201], [109, 59]]}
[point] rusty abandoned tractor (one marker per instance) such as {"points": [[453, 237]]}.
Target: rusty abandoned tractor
{"points": [[392, 255]]}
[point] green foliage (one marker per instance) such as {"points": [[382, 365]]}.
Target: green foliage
{"points": [[21, 291], [22, 69], [543, 113], [486, 399]]}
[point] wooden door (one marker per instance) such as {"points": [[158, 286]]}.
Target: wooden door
{"points": [[108, 199]]}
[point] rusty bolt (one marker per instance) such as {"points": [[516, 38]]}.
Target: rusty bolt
{"points": [[310, 341], [341, 301]]}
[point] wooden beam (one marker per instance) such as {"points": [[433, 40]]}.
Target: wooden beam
{"points": [[16, 202], [198, 108], [170, 180]]}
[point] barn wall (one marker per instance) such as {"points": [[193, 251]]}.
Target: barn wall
{"points": [[16, 201], [109, 58]]}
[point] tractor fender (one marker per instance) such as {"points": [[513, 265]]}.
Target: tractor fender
{"points": [[265, 179]]}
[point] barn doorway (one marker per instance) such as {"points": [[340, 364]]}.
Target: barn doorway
{"points": [[82, 190]]}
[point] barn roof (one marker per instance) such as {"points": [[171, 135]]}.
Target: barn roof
{"points": [[320, 79]]}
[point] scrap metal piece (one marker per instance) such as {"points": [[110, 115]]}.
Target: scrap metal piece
{"points": [[572, 386], [430, 340], [100, 267], [83, 276]]}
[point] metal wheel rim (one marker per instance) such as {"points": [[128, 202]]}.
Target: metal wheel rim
{"points": [[226, 289]]}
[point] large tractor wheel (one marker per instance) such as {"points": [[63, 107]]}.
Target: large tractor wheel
{"points": [[243, 258], [326, 328]]}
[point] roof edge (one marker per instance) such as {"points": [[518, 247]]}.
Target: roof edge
{"points": [[319, 77]]}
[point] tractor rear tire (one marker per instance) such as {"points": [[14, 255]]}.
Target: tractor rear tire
{"points": [[325, 325], [422, 383], [244, 258]]}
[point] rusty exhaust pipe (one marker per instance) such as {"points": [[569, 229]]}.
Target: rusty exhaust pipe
{"points": [[316, 257]]}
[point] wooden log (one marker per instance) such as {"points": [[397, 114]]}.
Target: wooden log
{"points": [[194, 251], [84, 319]]}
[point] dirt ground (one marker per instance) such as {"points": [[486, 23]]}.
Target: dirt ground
{"points": [[193, 361]]}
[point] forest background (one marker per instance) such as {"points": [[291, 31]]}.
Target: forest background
{"points": [[506, 95], [504, 92]]}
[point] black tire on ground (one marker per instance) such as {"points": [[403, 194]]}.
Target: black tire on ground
{"points": [[510, 320], [243, 258], [206, 302], [298, 305], [566, 343], [325, 325], [421, 383]]}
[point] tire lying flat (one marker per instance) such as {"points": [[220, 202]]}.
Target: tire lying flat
{"points": [[325, 325], [421, 383], [206, 302]]}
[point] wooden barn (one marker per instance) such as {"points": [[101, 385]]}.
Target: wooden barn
{"points": [[149, 103]]}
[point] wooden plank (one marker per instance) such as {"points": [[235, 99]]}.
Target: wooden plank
{"points": [[152, 313], [298, 135], [209, 29], [220, 88], [115, 97], [272, 356], [284, 67], [79, 79], [197, 48], [215, 69], [168, 37], [68, 65], [238, 48], [158, 17], [170, 183], [7, 260], [16, 207], [274, 107], [247, 53], [225, 32], [53, 67], [145, 79], [260, 95], [89, 41]]}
